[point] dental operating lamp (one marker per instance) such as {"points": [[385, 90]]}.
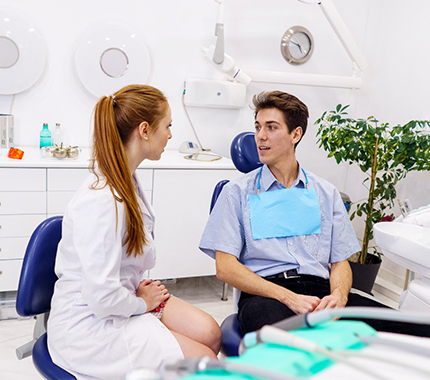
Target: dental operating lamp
{"points": [[216, 56]]}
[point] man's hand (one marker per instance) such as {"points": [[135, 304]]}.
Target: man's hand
{"points": [[340, 284], [332, 301], [301, 304]]}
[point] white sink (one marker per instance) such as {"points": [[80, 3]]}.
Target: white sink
{"points": [[405, 244]]}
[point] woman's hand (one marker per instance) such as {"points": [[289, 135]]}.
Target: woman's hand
{"points": [[153, 293]]}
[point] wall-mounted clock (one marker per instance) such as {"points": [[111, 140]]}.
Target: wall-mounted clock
{"points": [[297, 45]]}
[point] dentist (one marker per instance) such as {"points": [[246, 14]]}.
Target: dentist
{"points": [[104, 320]]}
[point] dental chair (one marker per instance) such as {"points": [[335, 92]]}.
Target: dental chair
{"points": [[35, 290], [244, 155]]}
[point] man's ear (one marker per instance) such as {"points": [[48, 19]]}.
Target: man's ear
{"points": [[297, 134]]}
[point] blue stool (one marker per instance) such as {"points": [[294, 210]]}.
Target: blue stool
{"points": [[231, 336], [35, 290]]}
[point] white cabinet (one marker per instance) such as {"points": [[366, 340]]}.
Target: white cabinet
{"points": [[145, 177], [62, 183], [179, 190], [22, 208], [181, 201]]}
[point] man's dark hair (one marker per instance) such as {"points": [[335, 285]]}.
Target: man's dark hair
{"points": [[295, 112]]}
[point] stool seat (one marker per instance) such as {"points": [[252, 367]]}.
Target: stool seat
{"points": [[231, 336], [44, 364]]}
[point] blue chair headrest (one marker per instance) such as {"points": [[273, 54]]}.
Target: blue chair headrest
{"points": [[244, 154], [36, 283]]}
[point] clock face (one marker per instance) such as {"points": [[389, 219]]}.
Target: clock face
{"points": [[300, 45], [297, 45]]}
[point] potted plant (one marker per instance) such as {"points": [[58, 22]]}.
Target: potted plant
{"points": [[384, 154]]}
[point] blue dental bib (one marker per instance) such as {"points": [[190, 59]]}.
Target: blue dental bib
{"points": [[284, 212]]}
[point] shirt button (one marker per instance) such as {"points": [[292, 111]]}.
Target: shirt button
{"points": [[291, 243]]}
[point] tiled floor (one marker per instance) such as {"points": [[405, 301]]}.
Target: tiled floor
{"points": [[204, 292]]}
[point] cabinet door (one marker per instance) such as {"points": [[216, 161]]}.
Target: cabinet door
{"points": [[66, 179], [62, 185], [22, 202], [9, 274], [12, 179], [181, 200], [13, 248], [19, 225]]}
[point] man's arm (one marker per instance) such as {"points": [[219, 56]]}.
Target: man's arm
{"points": [[230, 270], [340, 285]]}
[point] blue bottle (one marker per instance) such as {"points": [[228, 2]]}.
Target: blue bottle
{"points": [[45, 136]]}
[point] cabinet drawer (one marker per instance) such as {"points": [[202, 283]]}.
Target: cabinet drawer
{"points": [[58, 200], [145, 178], [10, 270], [22, 203], [66, 179], [12, 179], [13, 248], [19, 225]]}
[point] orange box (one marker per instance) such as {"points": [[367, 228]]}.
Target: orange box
{"points": [[15, 153]]}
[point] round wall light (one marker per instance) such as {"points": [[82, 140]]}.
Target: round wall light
{"points": [[112, 56], [23, 53]]}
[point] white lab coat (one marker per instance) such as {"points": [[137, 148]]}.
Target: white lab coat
{"points": [[91, 330]]}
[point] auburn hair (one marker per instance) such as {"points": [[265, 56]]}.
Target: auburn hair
{"points": [[115, 118]]}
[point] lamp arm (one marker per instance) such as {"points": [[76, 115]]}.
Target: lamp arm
{"points": [[343, 33], [218, 56]]}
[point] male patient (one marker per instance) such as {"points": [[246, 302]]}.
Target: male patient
{"points": [[280, 234]]}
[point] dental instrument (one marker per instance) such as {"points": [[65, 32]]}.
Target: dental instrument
{"points": [[274, 335], [394, 343], [314, 318], [205, 363]]}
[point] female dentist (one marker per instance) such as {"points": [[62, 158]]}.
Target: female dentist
{"points": [[104, 320]]}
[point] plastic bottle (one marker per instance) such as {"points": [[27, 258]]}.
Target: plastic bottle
{"points": [[45, 136], [57, 136]]}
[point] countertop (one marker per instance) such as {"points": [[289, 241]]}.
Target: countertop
{"points": [[170, 159]]}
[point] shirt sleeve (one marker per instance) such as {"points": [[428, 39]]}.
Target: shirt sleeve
{"points": [[344, 241], [141, 308], [97, 238], [224, 230]]}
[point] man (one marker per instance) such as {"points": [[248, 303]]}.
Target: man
{"points": [[280, 234]]}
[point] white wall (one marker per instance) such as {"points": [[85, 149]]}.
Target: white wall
{"points": [[392, 34]]}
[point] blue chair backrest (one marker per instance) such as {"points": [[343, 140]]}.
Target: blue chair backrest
{"points": [[36, 283], [218, 187], [244, 153]]}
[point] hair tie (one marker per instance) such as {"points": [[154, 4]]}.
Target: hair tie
{"points": [[114, 101]]}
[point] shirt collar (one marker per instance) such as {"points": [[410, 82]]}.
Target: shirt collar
{"points": [[268, 180]]}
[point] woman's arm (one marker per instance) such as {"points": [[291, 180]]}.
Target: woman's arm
{"points": [[96, 237]]}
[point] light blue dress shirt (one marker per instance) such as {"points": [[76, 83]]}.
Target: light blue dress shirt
{"points": [[228, 229]]}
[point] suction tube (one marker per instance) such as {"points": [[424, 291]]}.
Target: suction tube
{"points": [[197, 365], [313, 319]]}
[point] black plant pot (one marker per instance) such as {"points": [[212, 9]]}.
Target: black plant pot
{"points": [[364, 275]]}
